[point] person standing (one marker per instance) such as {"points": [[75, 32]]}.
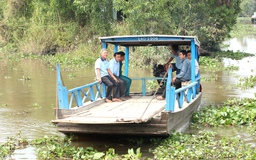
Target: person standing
{"points": [[174, 55], [103, 74]]}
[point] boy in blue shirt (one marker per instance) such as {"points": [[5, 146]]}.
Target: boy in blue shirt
{"points": [[184, 75], [114, 66]]}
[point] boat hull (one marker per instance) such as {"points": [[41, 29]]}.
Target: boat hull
{"points": [[162, 124]]}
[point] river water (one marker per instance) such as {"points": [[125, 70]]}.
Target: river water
{"points": [[28, 96]]}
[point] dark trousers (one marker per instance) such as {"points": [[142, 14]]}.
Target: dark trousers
{"points": [[177, 85], [128, 84], [112, 86], [122, 86]]}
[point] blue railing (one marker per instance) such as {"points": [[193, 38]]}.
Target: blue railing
{"points": [[78, 95], [186, 93], [93, 91]]}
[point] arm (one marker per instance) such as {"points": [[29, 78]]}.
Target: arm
{"points": [[98, 75], [112, 75], [166, 65], [170, 60]]}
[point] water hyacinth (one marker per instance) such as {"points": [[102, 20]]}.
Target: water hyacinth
{"points": [[204, 145]]}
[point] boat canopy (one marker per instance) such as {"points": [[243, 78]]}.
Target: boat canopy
{"points": [[150, 40]]}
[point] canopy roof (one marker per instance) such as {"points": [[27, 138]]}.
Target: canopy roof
{"points": [[150, 40]]}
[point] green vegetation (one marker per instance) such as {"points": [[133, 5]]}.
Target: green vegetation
{"points": [[234, 112], [63, 26], [247, 82], [243, 28], [204, 145], [232, 55], [247, 8]]}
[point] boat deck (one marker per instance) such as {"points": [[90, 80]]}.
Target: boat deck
{"points": [[138, 109]]}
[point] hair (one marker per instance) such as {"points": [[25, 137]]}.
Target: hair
{"points": [[103, 49], [122, 53], [175, 47], [184, 52], [117, 53], [189, 51]]}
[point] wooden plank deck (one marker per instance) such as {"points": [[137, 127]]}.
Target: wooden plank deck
{"points": [[129, 111]]}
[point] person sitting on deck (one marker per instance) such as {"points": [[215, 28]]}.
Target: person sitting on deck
{"points": [[184, 75], [103, 74], [196, 63], [114, 66], [174, 55], [126, 79]]}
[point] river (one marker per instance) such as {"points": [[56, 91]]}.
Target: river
{"points": [[28, 96]]}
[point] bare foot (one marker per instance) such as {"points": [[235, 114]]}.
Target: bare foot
{"points": [[116, 100], [160, 98], [108, 100]]}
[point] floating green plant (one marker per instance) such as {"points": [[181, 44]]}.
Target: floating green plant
{"points": [[36, 105], [231, 54], [247, 82], [204, 145]]}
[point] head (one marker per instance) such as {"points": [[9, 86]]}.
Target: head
{"points": [[104, 53], [175, 48], [183, 54], [117, 56], [122, 55], [189, 54]]}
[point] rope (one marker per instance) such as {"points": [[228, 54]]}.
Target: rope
{"points": [[154, 93]]}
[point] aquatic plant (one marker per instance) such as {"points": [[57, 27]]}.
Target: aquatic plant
{"points": [[231, 54], [60, 147], [247, 82], [12, 143], [36, 105], [204, 145], [232, 112]]}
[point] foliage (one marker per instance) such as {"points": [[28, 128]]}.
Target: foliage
{"points": [[204, 145], [243, 28], [233, 112], [232, 55], [247, 82], [247, 8], [12, 143], [61, 26], [211, 21]]}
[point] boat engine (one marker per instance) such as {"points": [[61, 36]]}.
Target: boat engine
{"points": [[158, 71]]}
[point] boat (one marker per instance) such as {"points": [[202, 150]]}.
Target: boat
{"points": [[82, 110]]}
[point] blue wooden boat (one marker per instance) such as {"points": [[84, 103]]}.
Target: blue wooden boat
{"points": [[83, 110]]}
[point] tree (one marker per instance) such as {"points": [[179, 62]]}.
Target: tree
{"points": [[248, 7]]}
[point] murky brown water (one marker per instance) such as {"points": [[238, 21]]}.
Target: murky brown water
{"points": [[27, 98]]}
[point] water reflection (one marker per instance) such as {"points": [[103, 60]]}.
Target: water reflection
{"points": [[243, 44]]}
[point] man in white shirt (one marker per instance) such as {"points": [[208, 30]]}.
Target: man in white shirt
{"points": [[103, 74], [196, 63]]}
